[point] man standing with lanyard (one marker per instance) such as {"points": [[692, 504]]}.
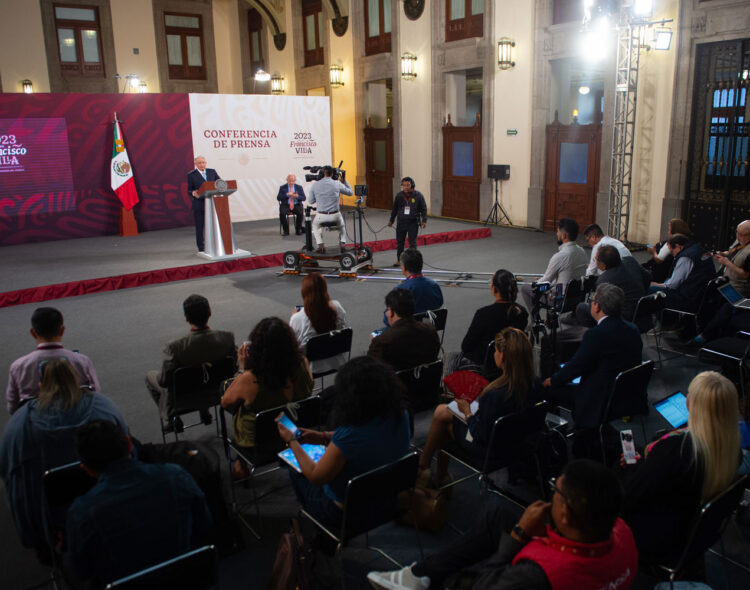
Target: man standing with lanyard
{"points": [[325, 192], [410, 208], [195, 179]]}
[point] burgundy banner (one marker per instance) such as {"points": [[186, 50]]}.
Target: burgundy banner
{"points": [[156, 130]]}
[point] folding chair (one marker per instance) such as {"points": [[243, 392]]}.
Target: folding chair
{"points": [[697, 315], [195, 570], [647, 311], [290, 221], [371, 501], [708, 527], [574, 294], [732, 348], [423, 385], [262, 458], [197, 389], [437, 317], [513, 439], [326, 346], [629, 397]]}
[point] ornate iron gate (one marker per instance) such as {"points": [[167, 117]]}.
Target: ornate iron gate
{"points": [[718, 183]]}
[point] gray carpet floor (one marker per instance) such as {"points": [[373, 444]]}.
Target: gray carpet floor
{"points": [[124, 333]]}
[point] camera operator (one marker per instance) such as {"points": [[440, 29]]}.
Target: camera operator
{"points": [[325, 192]]}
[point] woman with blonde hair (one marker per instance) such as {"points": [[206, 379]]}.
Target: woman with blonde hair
{"points": [[515, 389], [684, 469]]}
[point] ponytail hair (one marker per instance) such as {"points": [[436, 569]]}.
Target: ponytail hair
{"points": [[505, 284]]}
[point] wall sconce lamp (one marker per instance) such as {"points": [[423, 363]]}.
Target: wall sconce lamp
{"points": [[28, 86], [408, 66], [575, 116], [277, 84], [662, 38], [142, 88], [262, 76], [505, 53], [337, 76]]}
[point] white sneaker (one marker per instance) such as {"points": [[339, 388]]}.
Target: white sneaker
{"points": [[402, 579]]}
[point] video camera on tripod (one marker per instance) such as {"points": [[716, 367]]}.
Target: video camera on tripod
{"points": [[318, 172]]}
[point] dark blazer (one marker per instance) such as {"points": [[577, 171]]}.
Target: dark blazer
{"points": [[199, 346], [283, 198], [406, 344], [194, 182], [608, 348], [632, 285]]}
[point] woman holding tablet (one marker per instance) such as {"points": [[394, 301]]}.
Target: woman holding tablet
{"points": [[684, 469], [372, 429], [514, 390]]}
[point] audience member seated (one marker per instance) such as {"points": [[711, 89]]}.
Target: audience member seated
{"points": [[407, 343], [576, 541], [488, 321], [693, 268], [594, 235], [745, 438], [39, 436], [319, 314], [135, 516], [735, 262], [201, 345], [626, 273], [427, 293], [661, 257], [569, 262], [726, 322], [515, 389], [274, 372], [47, 328], [612, 346], [372, 429], [684, 469]]}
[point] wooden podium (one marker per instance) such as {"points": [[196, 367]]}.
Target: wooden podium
{"points": [[218, 234]]}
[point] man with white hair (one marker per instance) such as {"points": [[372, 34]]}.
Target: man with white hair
{"points": [[290, 199], [195, 179]]}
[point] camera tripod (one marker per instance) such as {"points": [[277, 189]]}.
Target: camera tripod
{"points": [[498, 215]]}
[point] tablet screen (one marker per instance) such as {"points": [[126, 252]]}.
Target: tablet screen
{"points": [[315, 452], [674, 409]]}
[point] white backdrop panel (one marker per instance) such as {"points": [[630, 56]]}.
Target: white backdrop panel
{"points": [[258, 140]]}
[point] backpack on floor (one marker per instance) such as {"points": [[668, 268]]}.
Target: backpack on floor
{"points": [[292, 568]]}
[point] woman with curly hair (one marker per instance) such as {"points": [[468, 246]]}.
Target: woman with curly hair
{"points": [[372, 429], [274, 372]]}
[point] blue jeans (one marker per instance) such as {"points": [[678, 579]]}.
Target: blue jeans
{"points": [[314, 499]]}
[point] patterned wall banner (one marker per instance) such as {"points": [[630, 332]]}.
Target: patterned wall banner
{"points": [[258, 140], [37, 200]]}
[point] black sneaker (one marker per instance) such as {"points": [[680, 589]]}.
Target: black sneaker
{"points": [[174, 425], [206, 417]]}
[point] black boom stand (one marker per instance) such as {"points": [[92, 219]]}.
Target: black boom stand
{"points": [[498, 215]]}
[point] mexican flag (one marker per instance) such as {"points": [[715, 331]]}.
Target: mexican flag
{"points": [[121, 171]]}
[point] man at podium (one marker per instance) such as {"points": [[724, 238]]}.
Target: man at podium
{"points": [[195, 179]]}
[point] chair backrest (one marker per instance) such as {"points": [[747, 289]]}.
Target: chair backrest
{"points": [[304, 413], [195, 570], [588, 283], [200, 387], [711, 520], [629, 395], [327, 345], [648, 307], [511, 436], [62, 485], [422, 384], [574, 294], [437, 317], [489, 368], [371, 497]]}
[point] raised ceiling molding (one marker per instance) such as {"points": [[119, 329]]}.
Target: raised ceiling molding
{"points": [[413, 9], [340, 22], [271, 15]]}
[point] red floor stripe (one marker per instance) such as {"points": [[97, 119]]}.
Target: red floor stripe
{"points": [[208, 269]]}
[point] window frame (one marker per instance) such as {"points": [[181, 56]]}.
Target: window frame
{"points": [[255, 26], [313, 57], [379, 43], [184, 71], [468, 27], [80, 68]]}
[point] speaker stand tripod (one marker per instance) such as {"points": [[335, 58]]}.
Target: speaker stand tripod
{"points": [[498, 215]]}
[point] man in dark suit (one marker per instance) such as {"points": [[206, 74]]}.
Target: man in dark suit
{"points": [[612, 346], [407, 343], [290, 199], [195, 179]]}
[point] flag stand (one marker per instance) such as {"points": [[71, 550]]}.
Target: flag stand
{"points": [[128, 225]]}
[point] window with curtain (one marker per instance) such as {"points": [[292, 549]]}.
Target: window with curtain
{"points": [[377, 26], [254, 28], [79, 40], [463, 19], [312, 28], [184, 34]]}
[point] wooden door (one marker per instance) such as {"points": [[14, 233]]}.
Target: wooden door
{"points": [[462, 174], [572, 175], [379, 162]]}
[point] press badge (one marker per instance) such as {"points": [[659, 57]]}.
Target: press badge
{"points": [[406, 210]]}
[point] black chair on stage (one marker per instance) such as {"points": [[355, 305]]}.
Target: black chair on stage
{"points": [[194, 570], [197, 389]]}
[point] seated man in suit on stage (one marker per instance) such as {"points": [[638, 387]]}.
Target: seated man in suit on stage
{"points": [[195, 179], [47, 328], [407, 343], [290, 199], [612, 346], [200, 346], [136, 515]]}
